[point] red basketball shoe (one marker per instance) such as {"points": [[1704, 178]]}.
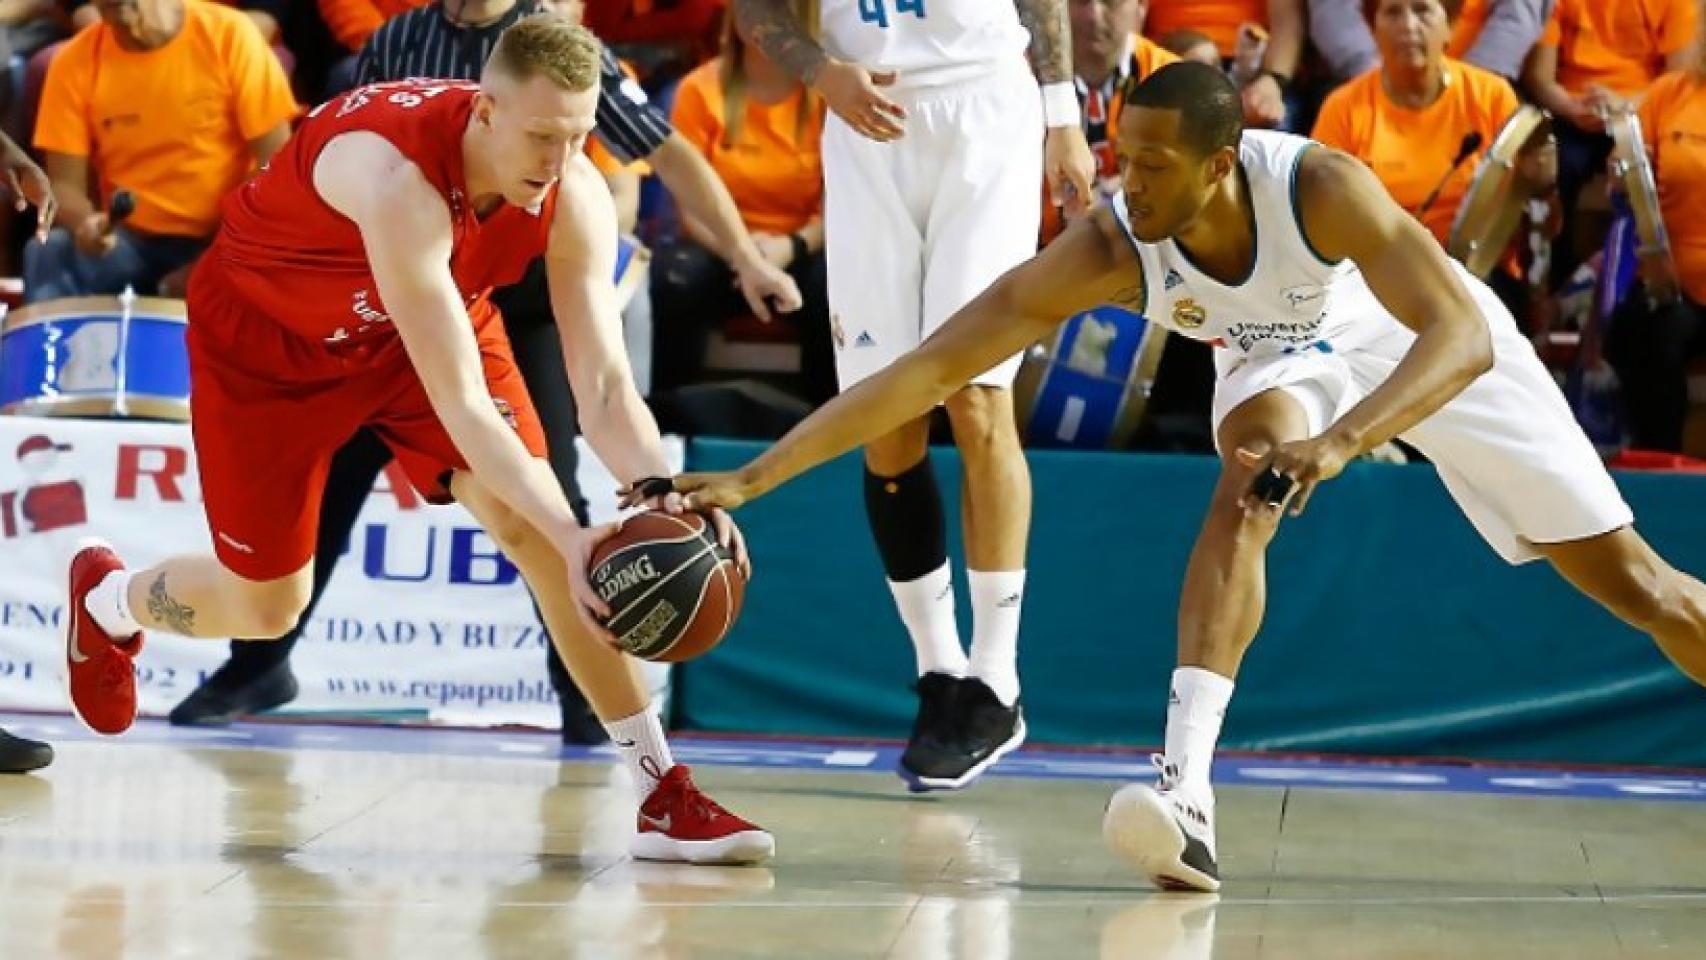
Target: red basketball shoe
{"points": [[98, 672], [679, 823]]}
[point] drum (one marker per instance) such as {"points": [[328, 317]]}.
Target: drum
{"points": [[1492, 208], [1089, 385], [1634, 172], [104, 356]]}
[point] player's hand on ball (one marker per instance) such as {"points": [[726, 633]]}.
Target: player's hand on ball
{"points": [[730, 538], [852, 92], [1070, 169], [577, 554], [1289, 473]]}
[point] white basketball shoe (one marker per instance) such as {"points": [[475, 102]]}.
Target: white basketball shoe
{"points": [[1166, 832]]}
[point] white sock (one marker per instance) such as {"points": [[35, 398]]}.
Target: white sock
{"points": [[996, 596], [1194, 713], [641, 742], [927, 608], [109, 604]]}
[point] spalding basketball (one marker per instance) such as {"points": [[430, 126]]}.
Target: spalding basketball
{"points": [[673, 592]]}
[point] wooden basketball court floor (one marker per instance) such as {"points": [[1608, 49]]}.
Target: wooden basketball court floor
{"points": [[286, 841]]}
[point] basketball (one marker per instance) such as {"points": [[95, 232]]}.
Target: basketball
{"points": [[673, 591]]}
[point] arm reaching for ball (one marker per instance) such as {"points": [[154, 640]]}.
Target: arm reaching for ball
{"points": [[1091, 264]]}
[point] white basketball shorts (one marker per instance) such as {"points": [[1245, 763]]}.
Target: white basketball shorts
{"points": [[918, 227], [1507, 447]]}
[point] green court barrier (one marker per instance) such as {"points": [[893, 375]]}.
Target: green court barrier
{"points": [[1391, 630]]}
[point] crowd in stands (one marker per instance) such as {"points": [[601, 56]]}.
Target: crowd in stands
{"points": [[173, 101]]}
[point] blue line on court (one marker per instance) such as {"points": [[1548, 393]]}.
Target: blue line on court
{"points": [[1250, 771]]}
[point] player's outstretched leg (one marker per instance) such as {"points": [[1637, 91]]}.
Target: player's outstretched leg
{"points": [[1625, 574], [995, 507], [1167, 831], [107, 608], [676, 822]]}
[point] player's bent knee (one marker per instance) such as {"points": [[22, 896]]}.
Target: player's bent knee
{"points": [[271, 610]]}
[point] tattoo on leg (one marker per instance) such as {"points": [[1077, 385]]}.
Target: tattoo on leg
{"points": [[167, 609]]}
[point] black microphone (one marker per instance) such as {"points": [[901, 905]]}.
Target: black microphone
{"points": [[1465, 150]]}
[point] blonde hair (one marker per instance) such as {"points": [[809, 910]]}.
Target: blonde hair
{"points": [[552, 46], [731, 72]]}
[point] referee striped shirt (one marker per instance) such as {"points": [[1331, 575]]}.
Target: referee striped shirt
{"points": [[425, 43]]}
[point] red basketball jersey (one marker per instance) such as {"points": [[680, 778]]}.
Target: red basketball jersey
{"points": [[297, 260]]}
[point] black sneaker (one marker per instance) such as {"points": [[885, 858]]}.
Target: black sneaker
{"points": [[932, 729], [978, 731], [18, 755], [223, 698]]}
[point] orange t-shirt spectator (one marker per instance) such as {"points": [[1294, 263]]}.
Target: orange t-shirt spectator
{"points": [[1673, 120], [769, 161], [173, 101], [759, 128], [1623, 45], [1412, 149], [1281, 22]]}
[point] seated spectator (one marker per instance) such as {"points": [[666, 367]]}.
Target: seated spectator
{"points": [[1651, 348], [759, 128], [1192, 45], [1223, 21], [175, 124], [1595, 57], [1408, 118], [1494, 35]]}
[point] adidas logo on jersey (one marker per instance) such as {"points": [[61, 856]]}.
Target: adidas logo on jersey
{"points": [[865, 339], [1173, 279]]}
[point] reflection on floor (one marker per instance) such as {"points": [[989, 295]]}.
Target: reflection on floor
{"points": [[318, 842]]}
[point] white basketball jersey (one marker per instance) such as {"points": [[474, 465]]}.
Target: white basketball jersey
{"points": [[1292, 300], [926, 42]]}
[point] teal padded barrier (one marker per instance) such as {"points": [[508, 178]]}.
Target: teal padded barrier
{"points": [[1391, 628]]}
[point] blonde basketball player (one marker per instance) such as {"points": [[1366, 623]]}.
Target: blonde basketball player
{"points": [[1340, 324], [931, 163]]}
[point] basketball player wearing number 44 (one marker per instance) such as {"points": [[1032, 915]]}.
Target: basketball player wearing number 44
{"points": [[1340, 324], [932, 158]]}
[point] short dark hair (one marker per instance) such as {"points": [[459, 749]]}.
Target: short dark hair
{"points": [[1452, 9], [1202, 93]]}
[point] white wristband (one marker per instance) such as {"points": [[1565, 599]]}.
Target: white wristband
{"points": [[1060, 105]]}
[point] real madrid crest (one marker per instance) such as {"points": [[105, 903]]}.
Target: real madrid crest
{"points": [[1188, 314]]}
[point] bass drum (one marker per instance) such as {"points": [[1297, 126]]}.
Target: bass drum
{"points": [[103, 356], [1492, 209], [1088, 386]]}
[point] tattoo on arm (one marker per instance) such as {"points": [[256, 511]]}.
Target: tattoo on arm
{"points": [[167, 609], [1051, 38], [774, 27]]}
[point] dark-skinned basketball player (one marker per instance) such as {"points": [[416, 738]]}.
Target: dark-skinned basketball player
{"points": [[1340, 324]]}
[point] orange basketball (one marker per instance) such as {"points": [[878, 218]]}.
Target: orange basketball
{"points": [[673, 591]]}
